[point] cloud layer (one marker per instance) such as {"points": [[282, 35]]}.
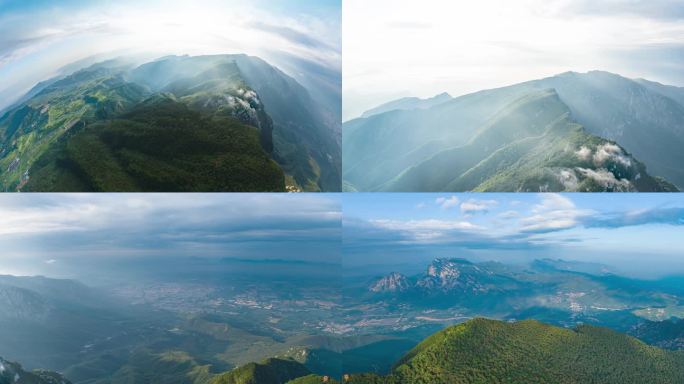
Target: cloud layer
{"points": [[55, 227]]}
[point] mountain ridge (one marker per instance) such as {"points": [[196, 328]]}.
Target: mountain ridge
{"points": [[397, 140]]}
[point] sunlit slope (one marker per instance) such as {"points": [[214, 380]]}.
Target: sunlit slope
{"points": [[530, 145], [644, 118], [28, 130], [489, 351]]}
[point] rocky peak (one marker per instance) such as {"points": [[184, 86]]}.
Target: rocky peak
{"points": [[450, 274], [394, 282]]}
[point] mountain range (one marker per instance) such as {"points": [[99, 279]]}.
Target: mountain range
{"points": [[587, 132], [178, 123], [396, 328]]}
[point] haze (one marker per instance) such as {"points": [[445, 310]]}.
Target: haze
{"points": [[39, 37], [398, 48]]}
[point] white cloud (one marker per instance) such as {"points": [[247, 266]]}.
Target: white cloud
{"points": [[509, 214], [554, 212], [473, 206], [426, 230], [447, 202]]}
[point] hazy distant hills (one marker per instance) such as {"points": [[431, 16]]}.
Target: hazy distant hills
{"points": [[178, 123], [572, 132], [408, 103], [554, 291]]}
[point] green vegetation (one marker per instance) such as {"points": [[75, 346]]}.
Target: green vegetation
{"points": [[270, 371], [243, 126], [489, 351], [141, 151]]}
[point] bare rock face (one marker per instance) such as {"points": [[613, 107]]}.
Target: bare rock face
{"points": [[394, 282], [448, 275]]}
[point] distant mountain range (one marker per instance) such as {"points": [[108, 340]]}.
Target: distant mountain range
{"points": [[550, 290], [178, 123], [594, 131]]}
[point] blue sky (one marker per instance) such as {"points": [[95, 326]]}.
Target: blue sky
{"points": [[56, 234], [639, 234], [39, 37]]}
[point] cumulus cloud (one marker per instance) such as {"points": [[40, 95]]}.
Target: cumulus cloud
{"points": [[553, 213], [425, 230], [447, 202], [473, 206]]}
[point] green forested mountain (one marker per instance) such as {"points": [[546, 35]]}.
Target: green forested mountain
{"points": [[270, 371], [523, 137], [489, 351], [141, 151], [239, 124], [668, 334]]}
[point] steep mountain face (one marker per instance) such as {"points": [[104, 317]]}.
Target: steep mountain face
{"points": [[304, 141], [446, 277], [394, 282], [232, 98], [540, 123], [13, 373], [489, 351]]}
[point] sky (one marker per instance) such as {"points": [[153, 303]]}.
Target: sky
{"points": [[399, 48], [59, 235], [636, 234], [39, 37]]}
